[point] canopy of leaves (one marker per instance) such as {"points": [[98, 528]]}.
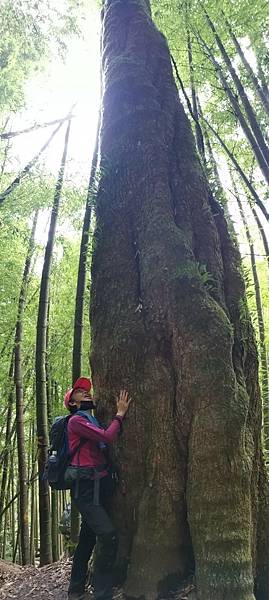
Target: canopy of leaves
{"points": [[29, 33]]}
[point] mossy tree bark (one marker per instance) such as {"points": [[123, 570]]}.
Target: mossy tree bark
{"points": [[170, 323]]}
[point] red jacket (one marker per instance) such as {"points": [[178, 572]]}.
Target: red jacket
{"points": [[90, 454]]}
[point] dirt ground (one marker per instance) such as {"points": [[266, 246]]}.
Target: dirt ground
{"points": [[51, 582]]}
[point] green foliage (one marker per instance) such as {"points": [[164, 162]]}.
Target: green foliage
{"points": [[193, 270], [30, 32], [62, 302], [249, 23]]}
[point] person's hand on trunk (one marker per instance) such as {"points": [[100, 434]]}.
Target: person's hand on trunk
{"points": [[123, 403]]}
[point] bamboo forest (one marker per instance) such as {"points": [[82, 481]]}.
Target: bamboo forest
{"points": [[134, 299]]}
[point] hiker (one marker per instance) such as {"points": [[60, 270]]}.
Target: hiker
{"points": [[90, 488]]}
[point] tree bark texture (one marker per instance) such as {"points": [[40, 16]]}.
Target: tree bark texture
{"points": [[170, 324]]}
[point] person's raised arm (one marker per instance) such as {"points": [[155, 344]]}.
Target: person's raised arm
{"points": [[83, 428]]}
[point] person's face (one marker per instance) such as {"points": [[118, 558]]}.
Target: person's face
{"points": [[79, 396]]}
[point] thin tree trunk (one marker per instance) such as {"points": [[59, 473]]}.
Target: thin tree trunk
{"points": [[79, 308], [54, 525], [3, 165], [13, 520], [41, 399], [221, 141], [11, 134], [54, 493], [261, 325], [33, 528], [7, 514], [37, 527], [6, 452], [242, 174], [263, 80], [17, 545], [255, 82], [33, 524], [242, 94], [256, 48], [82, 269], [30, 164], [212, 161], [5, 536], [198, 130], [259, 224], [238, 112], [190, 454], [18, 380], [262, 233]]}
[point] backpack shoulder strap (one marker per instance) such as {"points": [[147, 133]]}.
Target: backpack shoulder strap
{"points": [[82, 441]]}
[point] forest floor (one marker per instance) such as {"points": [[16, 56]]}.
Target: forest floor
{"points": [[51, 582]]}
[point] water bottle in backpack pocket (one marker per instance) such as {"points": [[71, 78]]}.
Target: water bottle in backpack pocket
{"points": [[52, 467]]}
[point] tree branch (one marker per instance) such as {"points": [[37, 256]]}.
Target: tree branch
{"points": [[11, 134], [32, 162]]}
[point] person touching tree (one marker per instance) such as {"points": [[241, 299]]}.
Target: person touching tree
{"points": [[91, 488]]}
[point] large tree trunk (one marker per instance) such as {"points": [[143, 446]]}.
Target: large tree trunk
{"points": [[170, 323]]}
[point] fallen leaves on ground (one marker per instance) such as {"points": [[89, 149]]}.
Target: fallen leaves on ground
{"points": [[51, 583], [46, 583]]}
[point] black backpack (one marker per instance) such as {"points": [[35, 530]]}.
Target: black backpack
{"points": [[59, 456]]}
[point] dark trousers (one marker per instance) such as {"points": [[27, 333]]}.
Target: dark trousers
{"points": [[96, 528]]}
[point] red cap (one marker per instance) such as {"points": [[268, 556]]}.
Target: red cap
{"points": [[82, 383]]}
